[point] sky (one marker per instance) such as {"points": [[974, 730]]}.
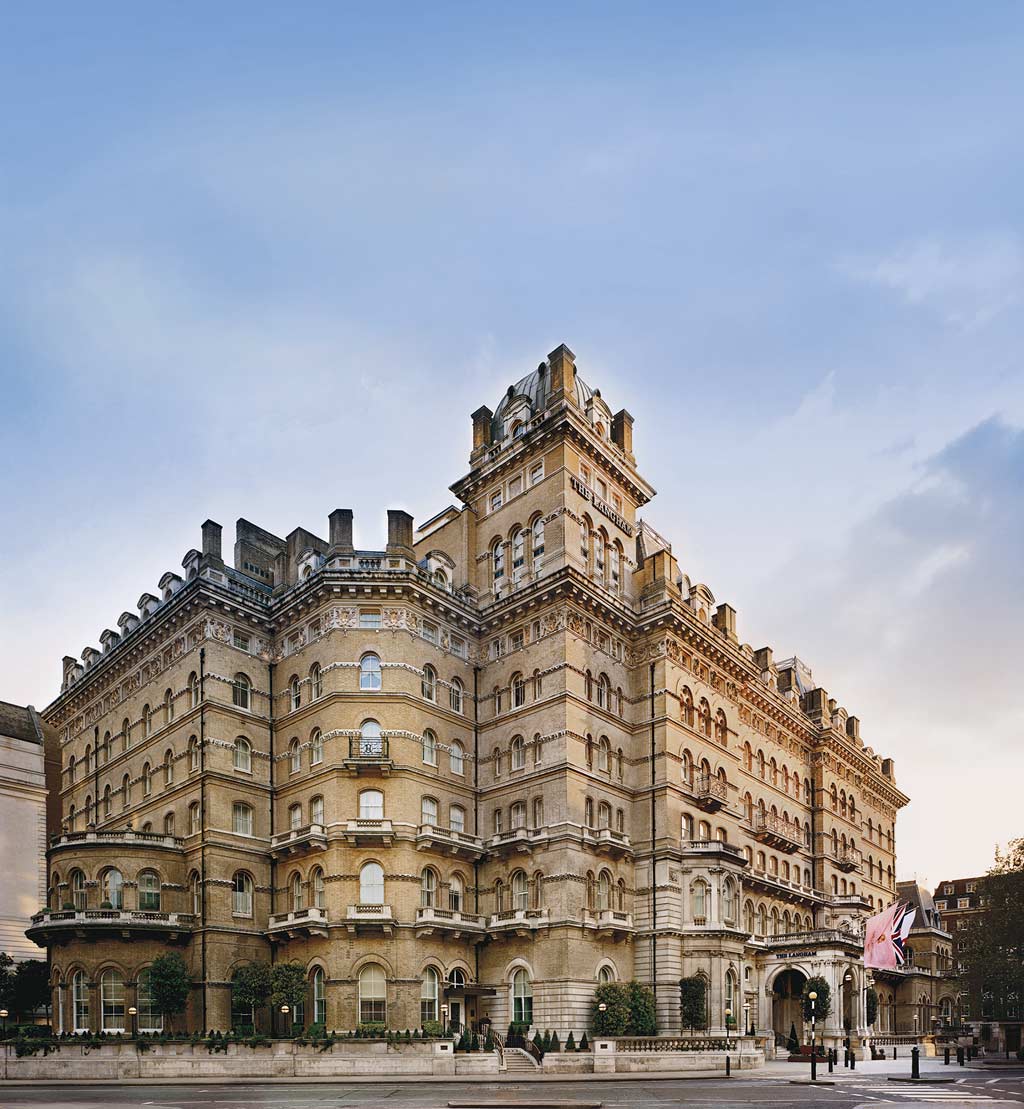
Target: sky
{"points": [[264, 260]]}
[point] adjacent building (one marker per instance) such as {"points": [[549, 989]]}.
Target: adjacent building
{"points": [[511, 754], [29, 762]]}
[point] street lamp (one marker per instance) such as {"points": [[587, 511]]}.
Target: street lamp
{"points": [[133, 1013], [285, 1010], [728, 1021], [812, 997]]}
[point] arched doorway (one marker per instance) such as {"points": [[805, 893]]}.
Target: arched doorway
{"points": [[787, 1014]]}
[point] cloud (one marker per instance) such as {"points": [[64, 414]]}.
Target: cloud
{"points": [[967, 283], [911, 619]]}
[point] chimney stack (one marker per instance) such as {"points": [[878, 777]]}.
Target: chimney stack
{"points": [[341, 530], [211, 539]]}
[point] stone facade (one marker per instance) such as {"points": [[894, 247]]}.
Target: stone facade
{"points": [[513, 753]]}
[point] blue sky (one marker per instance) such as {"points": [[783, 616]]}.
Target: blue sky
{"points": [[265, 261]]}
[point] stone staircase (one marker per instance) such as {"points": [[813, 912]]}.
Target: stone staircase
{"points": [[519, 1061]]}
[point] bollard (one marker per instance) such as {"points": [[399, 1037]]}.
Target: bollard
{"points": [[915, 1062], [945, 1056]]}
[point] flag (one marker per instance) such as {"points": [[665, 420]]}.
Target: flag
{"points": [[884, 936]]}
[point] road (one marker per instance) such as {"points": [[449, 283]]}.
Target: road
{"points": [[969, 1088]]}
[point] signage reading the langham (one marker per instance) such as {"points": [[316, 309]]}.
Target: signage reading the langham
{"points": [[604, 509]]}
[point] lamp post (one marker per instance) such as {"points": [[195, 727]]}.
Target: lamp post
{"points": [[812, 997], [134, 1013], [285, 1010], [728, 1021]]}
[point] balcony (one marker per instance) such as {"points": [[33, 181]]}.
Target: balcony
{"points": [[311, 921], [124, 837], [448, 922], [607, 841], [710, 793], [848, 859], [369, 918], [448, 841], [58, 927], [778, 833], [299, 841], [368, 756], [714, 849], [614, 924], [517, 839], [517, 922], [369, 830]]}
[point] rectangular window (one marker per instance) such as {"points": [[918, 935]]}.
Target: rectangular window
{"points": [[369, 618], [430, 632], [496, 500], [241, 640], [536, 473], [515, 487]]}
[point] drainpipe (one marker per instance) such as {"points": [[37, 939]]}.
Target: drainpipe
{"points": [[202, 818], [476, 811], [654, 876]]}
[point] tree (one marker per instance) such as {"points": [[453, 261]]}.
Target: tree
{"points": [[643, 1013], [822, 1003], [251, 986], [871, 1006], [692, 1004], [169, 984], [993, 957], [614, 1021], [288, 987], [30, 989]]}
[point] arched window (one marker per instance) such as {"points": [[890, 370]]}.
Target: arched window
{"points": [[112, 1001], [316, 882], [604, 891], [113, 888], [294, 757], [80, 1002], [319, 998], [193, 690], [429, 748], [428, 683], [241, 900], [428, 888], [371, 805], [149, 891], [241, 692], [428, 811], [520, 891], [518, 691], [371, 740], [149, 1018], [518, 752], [295, 686], [297, 892], [316, 681], [168, 768], [537, 546], [243, 754], [372, 884], [455, 757], [369, 672], [373, 1003], [455, 894], [455, 695], [522, 997]]}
